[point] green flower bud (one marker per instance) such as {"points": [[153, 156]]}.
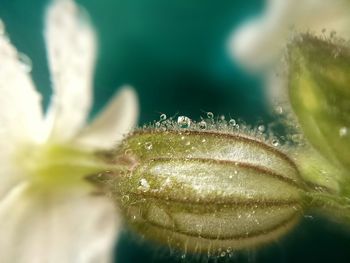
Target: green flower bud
{"points": [[206, 191], [319, 89]]}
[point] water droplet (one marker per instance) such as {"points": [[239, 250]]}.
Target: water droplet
{"points": [[332, 33], [343, 131], [157, 124], [210, 115], [204, 140], [184, 121], [125, 198], [128, 152], [275, 142], [223, 253], [203, 125], [148, 146], [167, 182], [188, 143], [232, 122], [143, 185], [235, 172], [279, 110], [25, 61], [261, 128], [163, 117], [222, 117], [336, 53]]}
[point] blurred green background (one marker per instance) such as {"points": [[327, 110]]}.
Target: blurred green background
{"points": [[175, 55]]}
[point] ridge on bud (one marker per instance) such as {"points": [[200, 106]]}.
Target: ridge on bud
{"points": [[206, 191], [319, 92]]}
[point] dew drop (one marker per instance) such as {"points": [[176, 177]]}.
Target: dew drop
{"points": [[232, 122], [310, 217], [184, 121], [210, 115], [128, 152], [343, 131], [162, 117], [261, 128], [332, 33], [148, 146], [25, 62], [279, 110], [275, 142], [336, 53], [202, 125], [167, 182], [143, 185], [125, 198]]}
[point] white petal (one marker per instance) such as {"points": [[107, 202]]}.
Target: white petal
{"points": [[259, 42], [71, 53], [109, 127], [56, 227], [20, 103], [21, 117]]}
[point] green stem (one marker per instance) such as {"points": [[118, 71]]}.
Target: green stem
{"points": [[334, 206]]}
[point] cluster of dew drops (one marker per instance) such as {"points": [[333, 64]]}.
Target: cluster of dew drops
{"points": [[211, 123], [23, 59]]}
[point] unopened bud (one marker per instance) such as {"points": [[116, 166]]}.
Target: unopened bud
{"points": [[319, 81], [206, 191]]}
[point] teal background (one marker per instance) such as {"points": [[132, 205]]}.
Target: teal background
{"points": [[174, 53]]}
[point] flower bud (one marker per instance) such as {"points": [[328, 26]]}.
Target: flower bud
{"points": [[206, 191], [319, 80]]}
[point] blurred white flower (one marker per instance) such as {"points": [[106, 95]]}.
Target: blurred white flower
{"points": [[258, 42], [48, 210]]}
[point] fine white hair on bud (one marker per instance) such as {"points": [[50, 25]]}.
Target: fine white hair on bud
{"points": [[206, 191]]}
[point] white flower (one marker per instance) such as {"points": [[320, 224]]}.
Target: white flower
{"points": [[48, 210], [259, 42]]}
